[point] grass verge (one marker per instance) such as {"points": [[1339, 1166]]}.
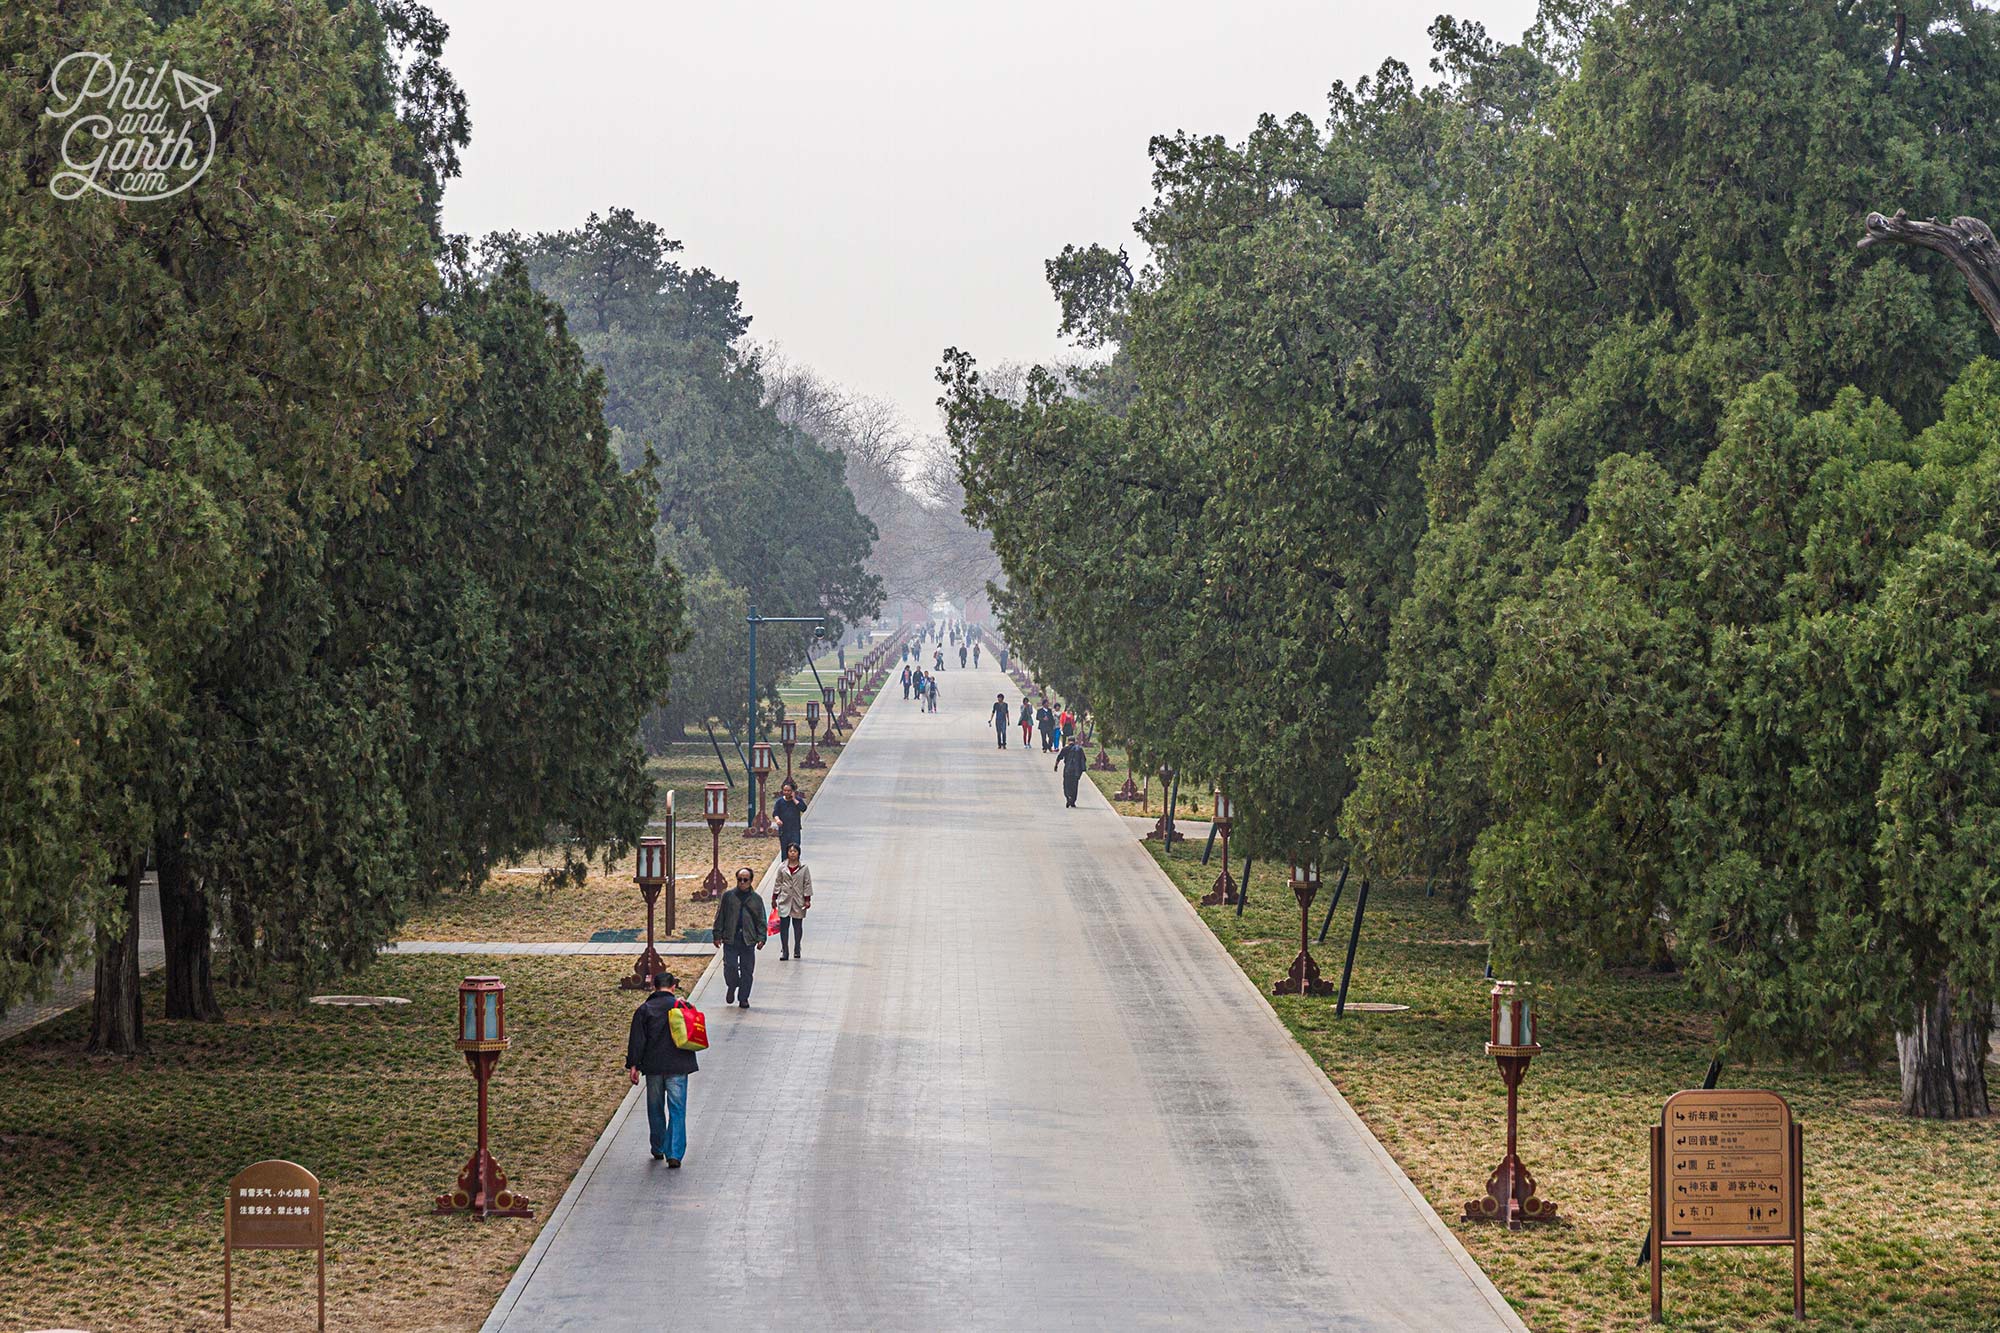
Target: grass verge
{"points": [[1901, 1215], [112, 1173]]}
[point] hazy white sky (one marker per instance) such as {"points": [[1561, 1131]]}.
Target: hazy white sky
{"points": [[885, 178]]}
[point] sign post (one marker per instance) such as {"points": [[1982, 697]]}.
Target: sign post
{"points": [[1729, 1169], [273, 1205]]}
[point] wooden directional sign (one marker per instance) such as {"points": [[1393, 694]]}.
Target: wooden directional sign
{"points": [[1728, 1170], [273, 1205]]}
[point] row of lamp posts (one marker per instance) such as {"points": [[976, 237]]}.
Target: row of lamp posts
{"points": [[1510, 1195], [481, 1188]]}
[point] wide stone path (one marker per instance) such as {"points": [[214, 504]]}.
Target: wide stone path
{"points": [[1014, 1083]]}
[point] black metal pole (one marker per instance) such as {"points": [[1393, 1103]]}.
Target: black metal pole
{"points": [[1707, 1083], [1211, 842], [710, 724], [1243, 889], [1360, 906], [1333, 902]]}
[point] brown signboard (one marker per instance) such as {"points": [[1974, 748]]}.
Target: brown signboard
{"points": [[273, 1205], [1727, 1170]]}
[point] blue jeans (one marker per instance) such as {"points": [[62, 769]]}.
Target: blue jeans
{"points": [[668, 1122]]}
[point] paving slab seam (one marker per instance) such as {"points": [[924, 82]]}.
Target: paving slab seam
{"points": [[496, 1320], [1460, 1255]]}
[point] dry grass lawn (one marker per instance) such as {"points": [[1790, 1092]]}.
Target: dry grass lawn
{"points": [[112, 1174], [1902, 1216]]}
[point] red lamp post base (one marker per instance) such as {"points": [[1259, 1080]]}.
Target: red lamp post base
{"points": [[1223, 893], [1303, 979], [812, 759], [712, 886], [482, 1189], [1510, 1191], [1128, 792], [760, 826], [1103, 762], [1510, 1197], [643, 970], [1161, 833], [831, 737]]}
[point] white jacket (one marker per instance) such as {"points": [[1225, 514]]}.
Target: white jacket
{"points": [[792, 890]]}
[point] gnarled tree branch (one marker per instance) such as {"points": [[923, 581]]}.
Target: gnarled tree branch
{"points": [[1966, 242]]}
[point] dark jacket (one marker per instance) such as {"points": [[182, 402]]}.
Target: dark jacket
{"points": [[1045, 720], [650, 1049], [788, 811], [1072, 759], [741, 918]]}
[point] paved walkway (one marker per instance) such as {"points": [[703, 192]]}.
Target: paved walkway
{"points": [[1014, 1083], [78, 982]]}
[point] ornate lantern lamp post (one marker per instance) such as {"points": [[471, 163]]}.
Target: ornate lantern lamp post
{"points": [[789, 733], [826, 693], [760, 777], [714, 809], [812, 759], [1225, 814], [654, 871], [1510, 1192], [482, 1036], [1304, 978]]}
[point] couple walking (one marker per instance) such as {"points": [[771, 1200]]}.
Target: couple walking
{"points": [[653, 1053]]}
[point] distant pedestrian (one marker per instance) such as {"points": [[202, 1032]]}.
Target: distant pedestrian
{"points": [[1027, 718], [940, 659], [961, 657], [933, 702], [1071, 760], [651, 1053], [1045, 722], [1065, 725], [741, 927], [1000, 715], [790, 811], [792, 894], [975, 654], [906, 680]]}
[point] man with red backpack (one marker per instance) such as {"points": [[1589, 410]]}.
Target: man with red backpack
{"points": [[665, 1057]]}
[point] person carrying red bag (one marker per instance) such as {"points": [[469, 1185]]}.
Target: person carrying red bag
{"points": [[652, 1051]]}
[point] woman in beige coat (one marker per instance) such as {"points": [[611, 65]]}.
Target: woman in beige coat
{"points": [[791, 895]]}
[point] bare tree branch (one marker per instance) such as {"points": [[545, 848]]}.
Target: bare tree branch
{"points": [[1966, 242]]}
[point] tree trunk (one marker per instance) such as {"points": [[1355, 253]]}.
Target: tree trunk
{"points": [[185, 924], [115, 1026], [242, 941], [1943, 1057]]}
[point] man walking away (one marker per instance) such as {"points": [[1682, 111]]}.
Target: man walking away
{"points": [[1000, 712], [1071, 760], [650, 1051], [975, 654], [741, 927], [961, 657], [790, 811], [934, 694], [906, 680]]}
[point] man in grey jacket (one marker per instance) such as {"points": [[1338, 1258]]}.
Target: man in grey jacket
{"points": [[741, 927]]}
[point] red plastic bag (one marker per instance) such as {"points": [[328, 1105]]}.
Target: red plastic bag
{"points": [[774, 923], [688, 1027]]}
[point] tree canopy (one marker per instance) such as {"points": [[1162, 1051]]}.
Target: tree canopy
{"points": [[1524, 480]]}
